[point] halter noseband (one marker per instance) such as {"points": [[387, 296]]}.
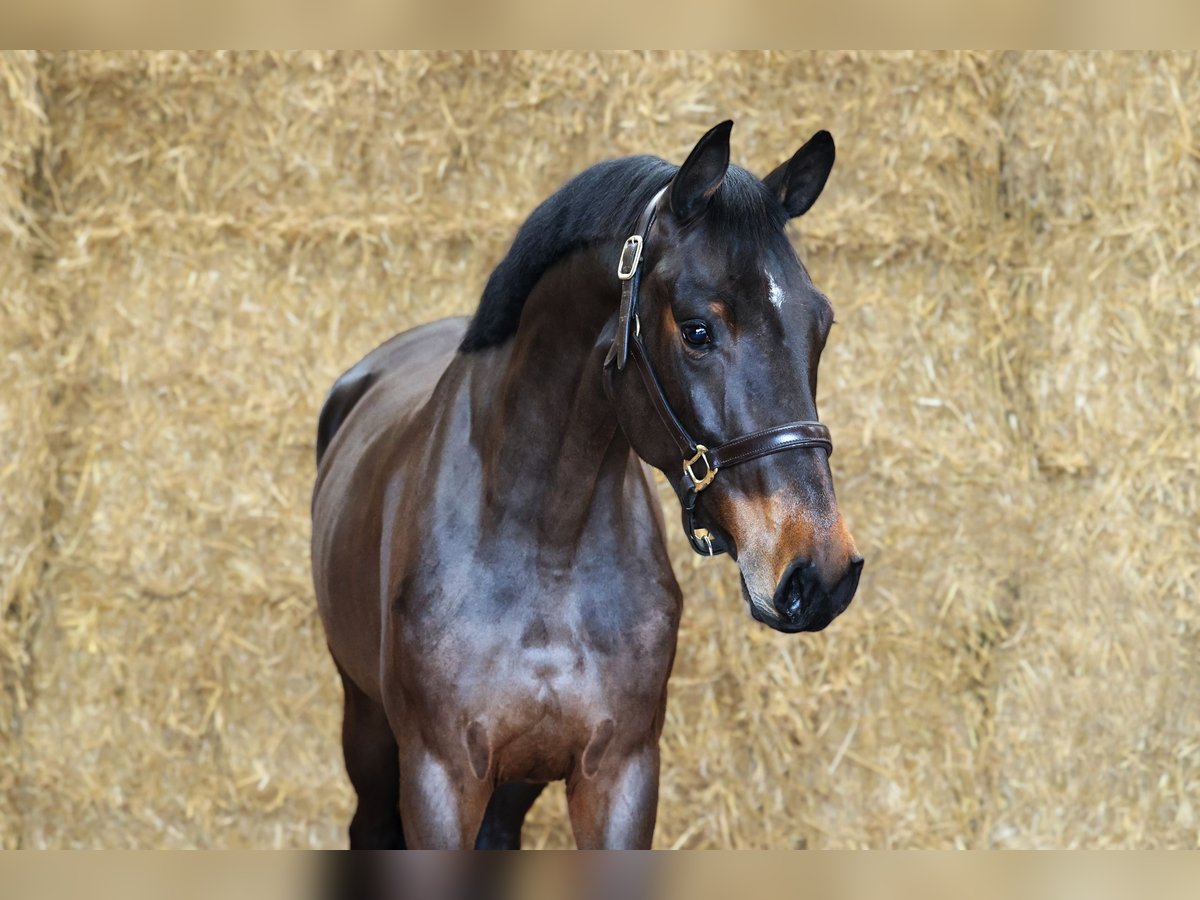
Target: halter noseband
{"points": [[627, 344]]}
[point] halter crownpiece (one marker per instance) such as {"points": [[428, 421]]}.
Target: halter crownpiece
{"points": [[627, 343]]}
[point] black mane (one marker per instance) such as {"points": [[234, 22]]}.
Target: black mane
{"points": [[601, 203]]}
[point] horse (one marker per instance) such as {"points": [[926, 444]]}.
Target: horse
{"points": [[488, 548]]}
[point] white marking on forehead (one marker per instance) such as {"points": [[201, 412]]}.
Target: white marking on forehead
{"points": [[775, 295]]}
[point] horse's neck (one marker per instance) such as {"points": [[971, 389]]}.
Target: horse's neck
{"points": [[553, 455]]}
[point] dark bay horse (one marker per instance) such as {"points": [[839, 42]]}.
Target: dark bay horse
{"points": [[488, 548]]}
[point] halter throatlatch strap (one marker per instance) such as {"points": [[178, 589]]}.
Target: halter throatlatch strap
{"points": [[700, 464]]}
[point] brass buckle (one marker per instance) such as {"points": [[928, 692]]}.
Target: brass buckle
{"points": [[699, 484], [631, 255]]}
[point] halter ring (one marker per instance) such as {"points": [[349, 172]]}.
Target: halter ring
{"points": [[699, 484]]}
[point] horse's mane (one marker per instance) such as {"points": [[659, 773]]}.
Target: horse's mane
{"points": [[602, 203]]}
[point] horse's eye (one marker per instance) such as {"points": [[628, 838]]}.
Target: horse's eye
{"points": [[696, 333]]}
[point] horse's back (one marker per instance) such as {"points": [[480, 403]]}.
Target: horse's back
{"points": [[420, 354], [363, 417]]}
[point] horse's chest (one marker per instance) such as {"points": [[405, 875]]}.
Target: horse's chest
{"points": [[545, 676], [560, 655]]}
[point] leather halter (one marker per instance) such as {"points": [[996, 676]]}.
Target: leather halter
{"points": [[627, 344]]}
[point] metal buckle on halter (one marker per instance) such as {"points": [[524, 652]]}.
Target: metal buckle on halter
{"points": [[699, 484], [702, 536], [631, 255]]}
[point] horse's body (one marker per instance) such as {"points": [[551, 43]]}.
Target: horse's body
{"points": [[537, 690], [490, 567]]}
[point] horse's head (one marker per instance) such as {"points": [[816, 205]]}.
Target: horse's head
{"points": [[734, 329]]}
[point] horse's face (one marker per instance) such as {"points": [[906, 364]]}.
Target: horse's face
{"points": [[735, 328]]}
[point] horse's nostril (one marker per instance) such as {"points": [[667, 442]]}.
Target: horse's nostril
{"points": [[798, 591], [789, 604], [805, 604]]}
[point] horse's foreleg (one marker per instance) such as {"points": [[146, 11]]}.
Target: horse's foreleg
{"points": [[374, 770], [442, 805], [615, 809]]}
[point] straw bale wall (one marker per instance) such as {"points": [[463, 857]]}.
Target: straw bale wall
{"points": [[192, 247], [28, 496]]}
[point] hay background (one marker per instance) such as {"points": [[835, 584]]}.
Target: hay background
{"points": [[193, 247]]}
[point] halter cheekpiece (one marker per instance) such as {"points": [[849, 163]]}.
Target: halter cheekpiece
{"points": [[700, 463]]}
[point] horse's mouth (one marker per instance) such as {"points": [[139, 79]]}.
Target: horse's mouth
{"points": [[760, 614], [815, 617]]}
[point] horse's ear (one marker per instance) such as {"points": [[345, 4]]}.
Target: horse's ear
{"points": [[701, 173], [799, 181]]}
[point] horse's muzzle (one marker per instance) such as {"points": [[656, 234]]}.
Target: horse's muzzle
{"points": [[804, 603]]}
